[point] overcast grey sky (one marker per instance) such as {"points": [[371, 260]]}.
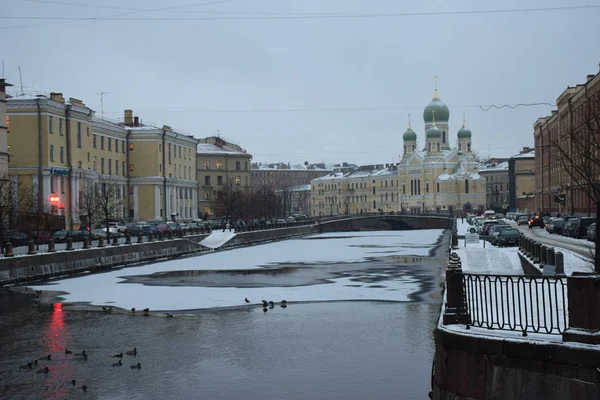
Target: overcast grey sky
{"points": [[209, 75]]}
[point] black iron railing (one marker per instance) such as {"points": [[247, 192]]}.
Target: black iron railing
{"points": [[516, 303]]}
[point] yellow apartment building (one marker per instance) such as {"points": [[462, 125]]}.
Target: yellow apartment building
{"points": [[58, 147], [4, 127], [219, 163], [365, 189]]}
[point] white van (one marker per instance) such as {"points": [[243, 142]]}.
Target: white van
{"points": [[489, 214]]}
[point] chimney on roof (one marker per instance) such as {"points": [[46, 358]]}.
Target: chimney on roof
{"points": [[305, 162], [76, 102], [57, 97], [344, 164], [590, 77], [136, 121], [128, 120]]}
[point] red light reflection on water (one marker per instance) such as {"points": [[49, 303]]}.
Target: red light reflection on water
{"points": [[61, 370]]}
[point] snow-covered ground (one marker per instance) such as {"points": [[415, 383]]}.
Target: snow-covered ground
{"points": [[316, 251], [505, 260]]}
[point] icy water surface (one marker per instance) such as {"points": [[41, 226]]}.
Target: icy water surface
{"points": [[311, 349]]}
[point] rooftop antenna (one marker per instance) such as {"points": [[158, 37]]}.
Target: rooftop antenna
{"points": [[219, 133], [21, 80], [102, 103]]}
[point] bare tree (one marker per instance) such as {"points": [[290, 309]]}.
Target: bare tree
{"points": [[15, 200], [100, 201], [578, 153], [227, 201]]}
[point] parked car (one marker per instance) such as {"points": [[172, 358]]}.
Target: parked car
{"points": [[522, 220], [556, 226], [16, 238], [591, 233], [133, 229], [582, 224], [536, 220], [508, 237], [118, 226], [43, 237], [495, 231], [62, 236], [569, 227]]}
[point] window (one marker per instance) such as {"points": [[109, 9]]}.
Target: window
{"points": [[79, 136], [246, 165], [102, 165], [123, 169], [443, 136], [95, 165], [469, 146], [373, 189], [206, 180], [219, 165], [131, 167], [88, 131], [438, 187], [207, 195], [79, 129], [219, 180], [101, 142], [109, 144], [116, 145], [109, 166], [160, 147], [116, 167], [428, 146], [169, 153], [238, 181], [52, 184], [62, 154], [238, 165], [206, 164], [60, 127], [51, 124], [94, 144], [427, 187], [51, 153], [438, 146], [79, 164], [374, 204], [179, 151], [403, 188], [123, 146], [245, 181], [466, 186]]}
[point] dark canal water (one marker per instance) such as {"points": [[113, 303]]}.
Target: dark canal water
{"points": [[323, 350]]}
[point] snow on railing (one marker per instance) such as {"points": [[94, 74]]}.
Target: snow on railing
{"points": [[516, 303]]}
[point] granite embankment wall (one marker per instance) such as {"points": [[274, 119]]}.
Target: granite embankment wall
{"points": [[471, 367], [65, 263]]}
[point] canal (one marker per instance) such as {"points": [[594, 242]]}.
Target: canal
{"points": [[358, 322]]}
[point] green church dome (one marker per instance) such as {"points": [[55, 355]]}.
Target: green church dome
{"points": [[436, 110], [409, 135], [433, 132], [464, 133]]}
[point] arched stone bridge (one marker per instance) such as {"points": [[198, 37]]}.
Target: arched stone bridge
{"points": [[384, 222]]}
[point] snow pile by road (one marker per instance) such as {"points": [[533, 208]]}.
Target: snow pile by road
{"points": [[217, 238]]}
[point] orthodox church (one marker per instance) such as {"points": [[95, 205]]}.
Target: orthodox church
{"points": [[438, 177]]}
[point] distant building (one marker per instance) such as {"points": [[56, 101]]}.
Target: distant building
{"points": [[219, 163], [4, 128], [296, 200], [495, 173], [280, 176], [356, 190], [555, 190], [521, 175]]}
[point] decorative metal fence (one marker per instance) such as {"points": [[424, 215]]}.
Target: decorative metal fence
{"points": [[516, 303]]}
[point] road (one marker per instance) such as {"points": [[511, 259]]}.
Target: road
{"points": [[581, 247]]}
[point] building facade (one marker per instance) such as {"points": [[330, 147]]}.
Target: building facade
{"points": [[59, 149], [219, 163], [437, 177], [521, 169], [356, 190], [577, 115], [279, 176], [495, 174], [4, 128]]}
